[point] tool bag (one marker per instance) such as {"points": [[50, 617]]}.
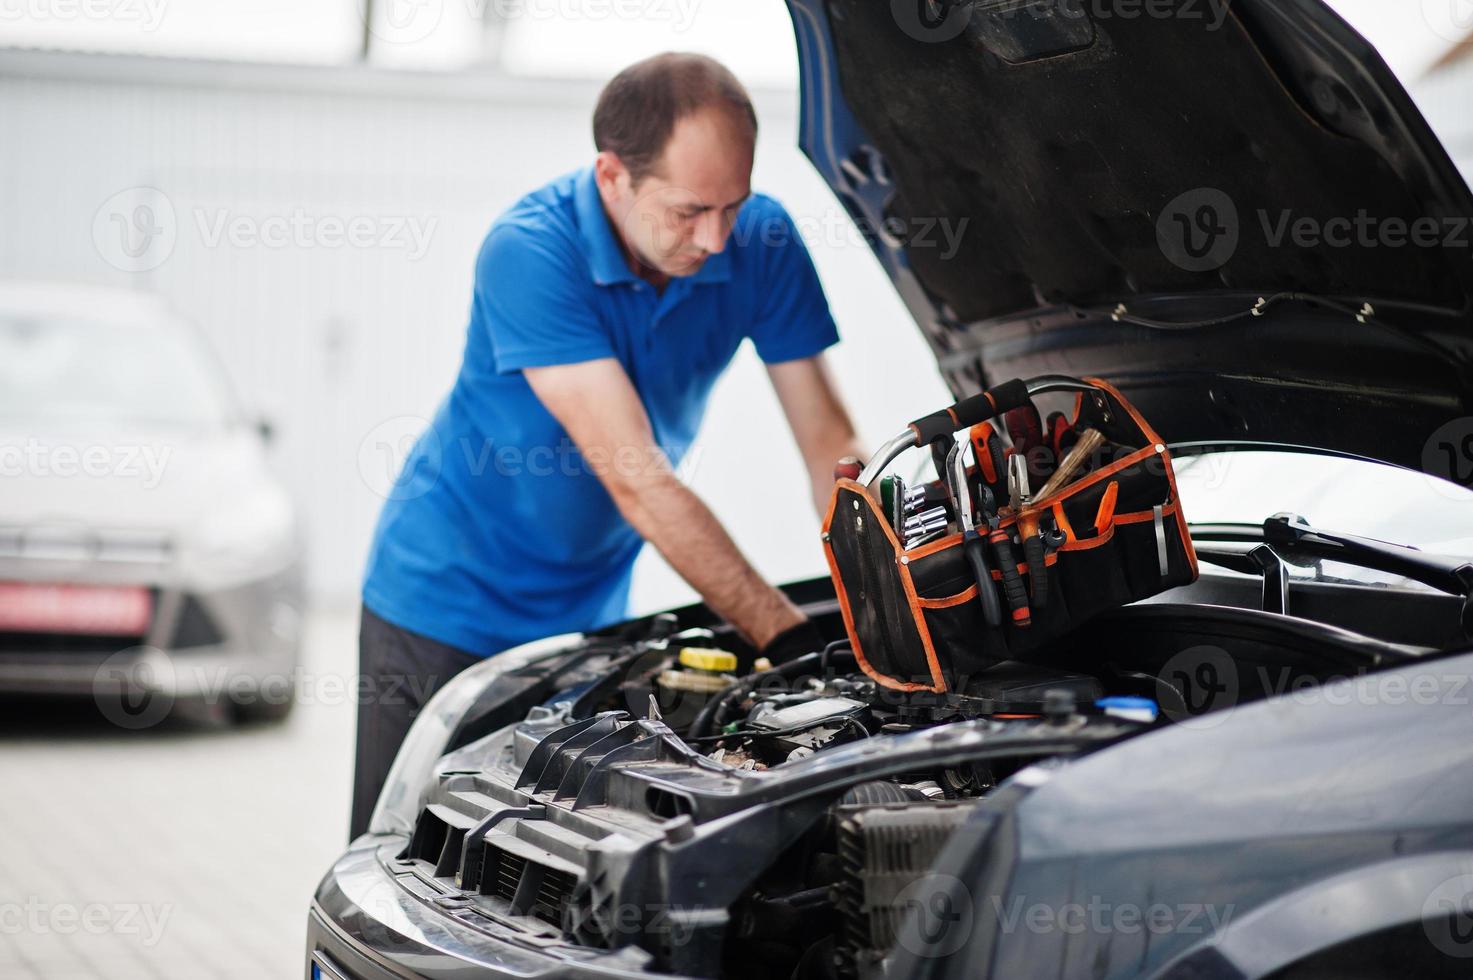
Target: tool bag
{"points": [[917, 619]]}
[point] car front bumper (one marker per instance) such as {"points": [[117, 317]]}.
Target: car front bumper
{"points": [[201, 644], [373, 919]]}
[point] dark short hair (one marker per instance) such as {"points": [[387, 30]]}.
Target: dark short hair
{"points": [[639, 107]]}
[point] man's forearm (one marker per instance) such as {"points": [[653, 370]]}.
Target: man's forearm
{"points": [[682, 528]]}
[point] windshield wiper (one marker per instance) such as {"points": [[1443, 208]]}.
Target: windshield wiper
{"points": [[1288, 536]]}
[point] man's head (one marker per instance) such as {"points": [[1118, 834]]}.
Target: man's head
{"points": [[675, 135]]}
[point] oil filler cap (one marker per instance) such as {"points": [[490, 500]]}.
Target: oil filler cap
{"points": [[697, 658]]}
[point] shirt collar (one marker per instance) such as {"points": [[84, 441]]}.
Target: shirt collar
{"points": [[604, 255], [606, 258]]}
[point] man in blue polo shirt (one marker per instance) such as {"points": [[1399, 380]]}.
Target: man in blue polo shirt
{"points": [[605, 306]]}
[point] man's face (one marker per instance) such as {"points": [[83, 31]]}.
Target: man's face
{"points": [[676, 217]]}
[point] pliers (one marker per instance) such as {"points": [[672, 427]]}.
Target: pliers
{"points": [[1002, 545], [972, 544]]}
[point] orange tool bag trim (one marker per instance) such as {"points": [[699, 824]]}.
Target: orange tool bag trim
{"points": [[915, 618]]}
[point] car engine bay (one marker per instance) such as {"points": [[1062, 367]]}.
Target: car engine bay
{"points": [[657, 794]]}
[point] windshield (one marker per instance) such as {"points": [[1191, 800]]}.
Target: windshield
{"points": [[83, 371], [1350, 496]]}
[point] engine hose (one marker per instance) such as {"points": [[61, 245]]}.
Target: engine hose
{"points": [[713, 713]]}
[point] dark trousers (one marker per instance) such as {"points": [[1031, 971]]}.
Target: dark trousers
{"points": [[401, 671]]}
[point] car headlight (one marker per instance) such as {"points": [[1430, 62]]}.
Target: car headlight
{"points": [[248, 536], [429, 737]]}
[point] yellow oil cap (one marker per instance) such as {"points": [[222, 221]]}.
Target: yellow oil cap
{"points": [[702, 659]]}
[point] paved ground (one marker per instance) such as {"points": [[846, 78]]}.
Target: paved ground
{"points": [[175, 851]]}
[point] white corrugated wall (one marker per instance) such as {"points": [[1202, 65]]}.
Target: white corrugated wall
{"points": [[346, 346]]}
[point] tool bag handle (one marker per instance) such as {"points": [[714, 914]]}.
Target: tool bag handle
{"points": [[965, 414]]}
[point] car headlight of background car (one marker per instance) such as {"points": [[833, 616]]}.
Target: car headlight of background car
{"points": [[247, 536]]}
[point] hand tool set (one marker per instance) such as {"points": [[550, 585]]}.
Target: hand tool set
{"points": [[947, 577]]}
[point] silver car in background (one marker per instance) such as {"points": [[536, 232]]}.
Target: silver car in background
{"points": [[147, 557]]}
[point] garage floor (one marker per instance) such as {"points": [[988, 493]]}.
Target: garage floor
{"points": [[175, 851]]}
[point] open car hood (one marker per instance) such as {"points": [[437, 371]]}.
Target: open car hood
{"points": [[1210, 206]]}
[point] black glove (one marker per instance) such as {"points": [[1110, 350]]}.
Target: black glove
{"points": [[793, 642]]}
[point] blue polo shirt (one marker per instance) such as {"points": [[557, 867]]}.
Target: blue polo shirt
{"points": [[498, 530]]}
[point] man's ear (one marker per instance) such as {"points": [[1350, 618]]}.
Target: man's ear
{"points": [[611, 175]]}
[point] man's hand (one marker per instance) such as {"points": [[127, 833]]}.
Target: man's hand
{"points": [[821, 426], [599, 407]]}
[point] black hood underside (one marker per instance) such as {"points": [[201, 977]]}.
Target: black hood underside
{"points": [[1035, 170], [1061, 136]]}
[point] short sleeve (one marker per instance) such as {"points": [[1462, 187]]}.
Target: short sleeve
{"points": [[532, 299], [792, 314]]}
